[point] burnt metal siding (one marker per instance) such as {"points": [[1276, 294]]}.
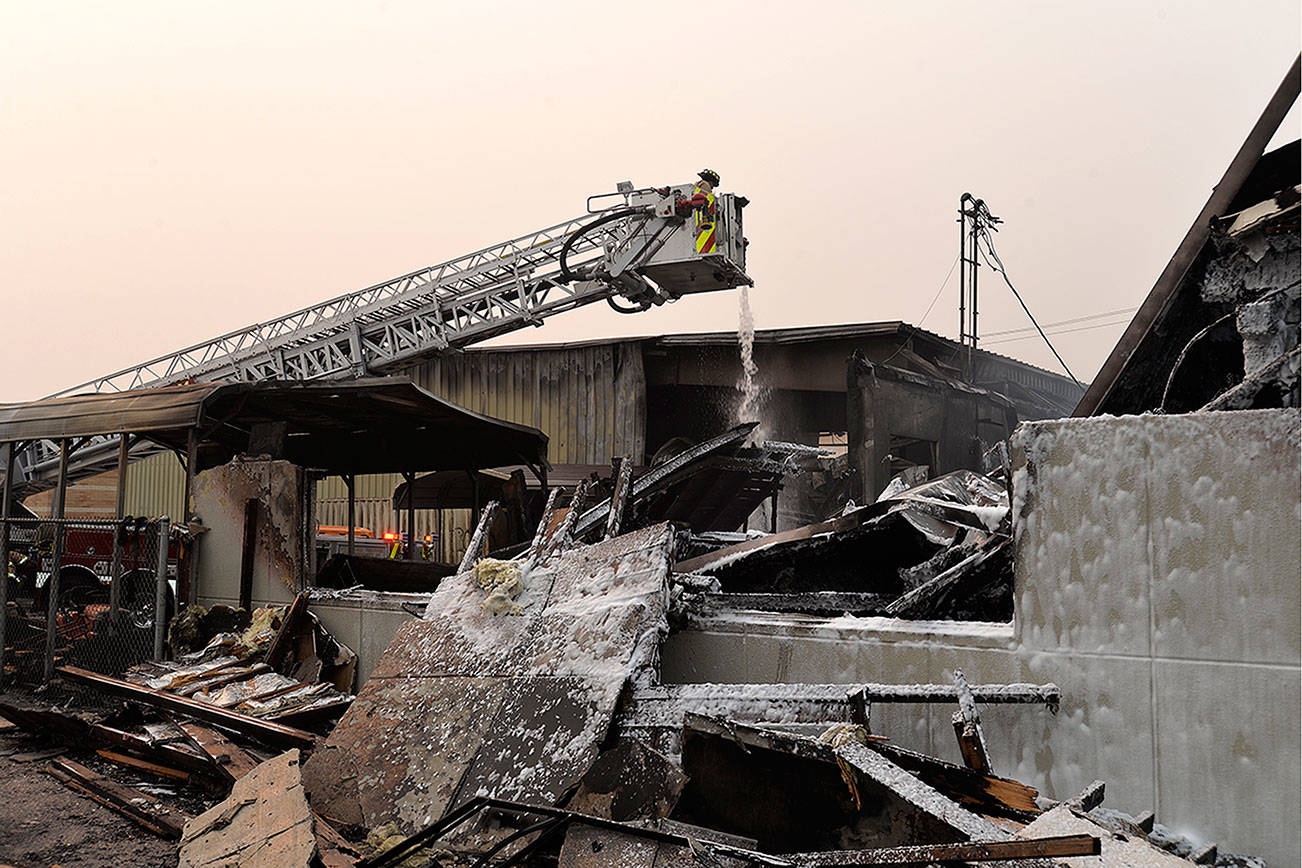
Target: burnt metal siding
{"points": [[589, 400], [993, 369]]}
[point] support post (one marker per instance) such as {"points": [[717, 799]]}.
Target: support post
{"points": [[349, 480], [115, 565], [773, 512], [160, 586], [4, 552], [56, 557], [185, 589], [411, 515]]}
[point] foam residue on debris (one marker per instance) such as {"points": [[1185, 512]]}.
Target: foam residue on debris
{"points": [[503, 582]]}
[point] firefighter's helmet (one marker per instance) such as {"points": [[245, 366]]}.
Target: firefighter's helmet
{"points": [[709, 175]]}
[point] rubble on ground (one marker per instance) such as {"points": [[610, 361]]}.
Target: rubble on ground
{"points": [[521, 721]]}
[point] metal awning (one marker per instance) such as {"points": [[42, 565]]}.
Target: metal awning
{"points": [[373, 425]]}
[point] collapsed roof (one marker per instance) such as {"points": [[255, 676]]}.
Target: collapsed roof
{"points": [[1192, 339]]}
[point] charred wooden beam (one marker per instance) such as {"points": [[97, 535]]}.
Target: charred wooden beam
{"points": [[975, 851], [921, 796], [1090, 797], [140, 765], [967, 727], [664, 706], [229, 759], [275, 734], [542, 537], [169, 754], [130, 803], [619, 497], [480, 536], [289, 627], [927, 597], [830, 603]]}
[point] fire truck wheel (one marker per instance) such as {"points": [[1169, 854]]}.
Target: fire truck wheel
{"points": [[78, 586], [138, 598]]}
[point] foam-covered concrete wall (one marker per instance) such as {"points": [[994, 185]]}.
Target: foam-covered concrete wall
{"points": [[1157, 583]]}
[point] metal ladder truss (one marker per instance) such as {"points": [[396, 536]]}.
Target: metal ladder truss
{"points": [[390, 325]]}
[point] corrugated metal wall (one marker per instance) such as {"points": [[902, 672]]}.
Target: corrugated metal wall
{"points": [[155, 486], [589, 400]]}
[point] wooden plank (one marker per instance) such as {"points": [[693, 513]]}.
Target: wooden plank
{"points": [[289, 627], [231, 760], [875, 767], [134, 804], [976, 851], [165, 753], [275, 734], [619, 497], [664, 705], [984, 793], [146, 766], [546, 528], [1090, 797], [967, 727], [479, 537]]}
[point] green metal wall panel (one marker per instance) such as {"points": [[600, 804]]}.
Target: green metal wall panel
{"points": [[155, 486]]}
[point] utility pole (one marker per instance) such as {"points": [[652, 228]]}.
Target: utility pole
{"points": [[974, 218]]}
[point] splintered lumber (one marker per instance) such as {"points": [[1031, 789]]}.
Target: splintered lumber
{"points": [[985, 793], [871, 766], [925, 598], [619, 497], [175, 756], [235, 762], [133, 804], [875, 767], [967, 727], [479, 537], [975, 851], [275, 734], [146, 766], [229, 758], [281, 642], [551, 518], [1090, 797]]}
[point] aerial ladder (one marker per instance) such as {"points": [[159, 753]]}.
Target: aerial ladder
{"points": [[634, 249]]}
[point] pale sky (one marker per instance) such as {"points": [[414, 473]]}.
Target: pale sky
{"points": [[177, 170]]}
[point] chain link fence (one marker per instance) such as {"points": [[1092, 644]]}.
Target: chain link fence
{"points": [[96, 594]]}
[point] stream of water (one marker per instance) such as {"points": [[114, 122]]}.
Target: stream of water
{"points": [[749, 386]]}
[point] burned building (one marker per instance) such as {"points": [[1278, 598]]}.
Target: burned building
{"points": [[884, 396]]}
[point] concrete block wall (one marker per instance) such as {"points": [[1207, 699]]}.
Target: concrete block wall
{"points": [[1157, 583]]}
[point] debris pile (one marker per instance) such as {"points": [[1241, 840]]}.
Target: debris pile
{"points": [[520, 720]]}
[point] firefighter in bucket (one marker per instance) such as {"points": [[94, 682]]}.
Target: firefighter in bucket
{"points": [[702, 209]]}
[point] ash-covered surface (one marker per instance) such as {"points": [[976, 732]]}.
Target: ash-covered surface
{"points": [[42, 822], [467, 703]]}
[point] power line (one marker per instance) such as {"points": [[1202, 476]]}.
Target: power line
{"points": [[1063, 322], [1004, 274], [1101, 325], [943, 284], [936, 297]]}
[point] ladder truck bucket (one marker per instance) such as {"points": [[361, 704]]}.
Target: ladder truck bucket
{"points": [[691, 257]]}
